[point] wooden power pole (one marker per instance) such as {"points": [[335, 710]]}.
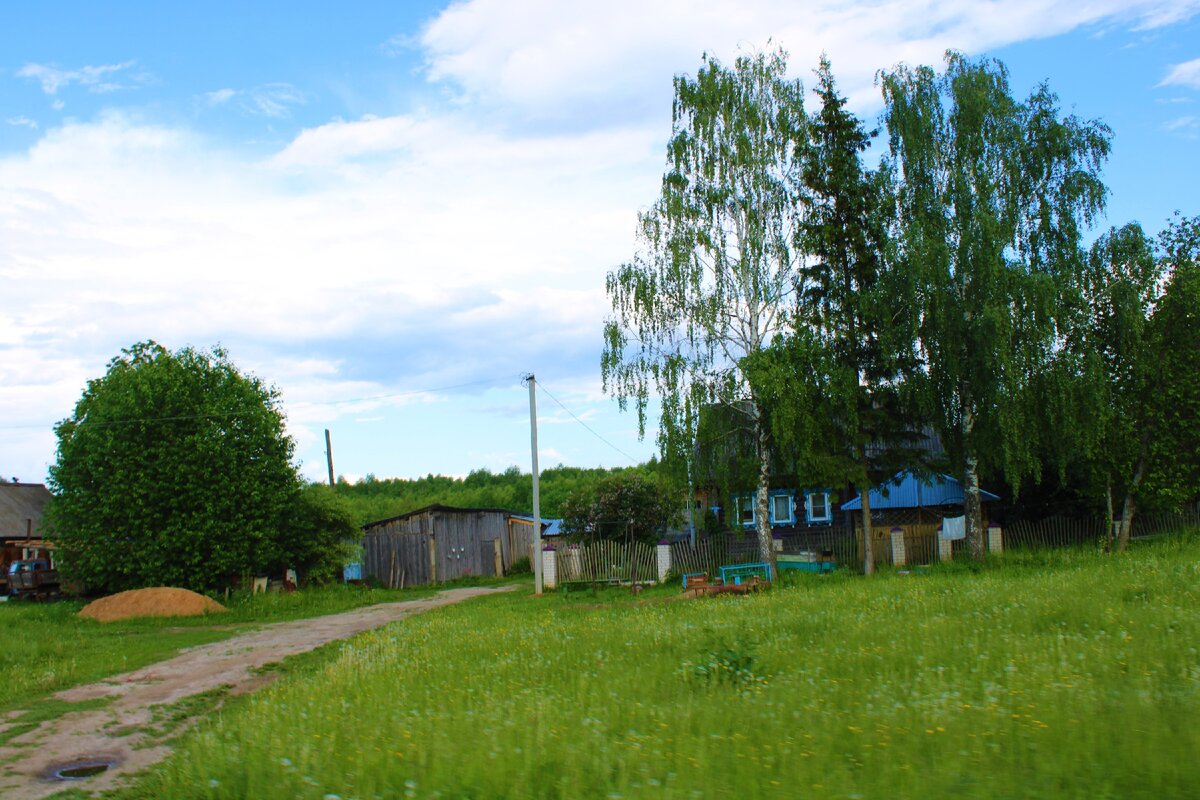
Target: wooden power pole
{"points": [[329, 455]]}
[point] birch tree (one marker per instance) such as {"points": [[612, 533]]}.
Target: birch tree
{"points": [[714, 277], [1120, 285], [992, 196]]}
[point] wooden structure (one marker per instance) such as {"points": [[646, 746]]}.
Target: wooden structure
{"points": [[605, 561], [916, 505], [21, 535], [702, 585], [441, 543]]}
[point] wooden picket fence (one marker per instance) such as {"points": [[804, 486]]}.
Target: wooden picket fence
{"points": [[607, 561], [1060, 531], [710, 553]]}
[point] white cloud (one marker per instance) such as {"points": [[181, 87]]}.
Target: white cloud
{"points": [[274, 100], [445, 245], [1185, 74], [22, 121], [448, 251], [219, 97], [1189, 126], [97, 78], [553, 58]]}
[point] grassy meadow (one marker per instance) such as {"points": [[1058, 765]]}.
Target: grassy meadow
{"points": [[1052, 674]]}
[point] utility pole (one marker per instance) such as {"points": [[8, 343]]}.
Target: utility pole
{"points": [[329, 456], [537, 500]]}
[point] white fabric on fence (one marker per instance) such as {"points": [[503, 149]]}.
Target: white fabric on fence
{"points": [[954, 528]]}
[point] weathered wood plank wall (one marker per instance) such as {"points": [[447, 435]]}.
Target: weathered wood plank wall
{"points": [[443, 544]]}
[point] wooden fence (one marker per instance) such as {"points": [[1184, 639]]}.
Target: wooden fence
{"points": [[607, 561], [1068, 531], [712, 552]]}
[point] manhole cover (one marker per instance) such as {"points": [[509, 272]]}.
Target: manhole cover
{"points": [[80, 772]]}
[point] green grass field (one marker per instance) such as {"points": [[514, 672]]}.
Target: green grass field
{"points": [[1057, 674]]}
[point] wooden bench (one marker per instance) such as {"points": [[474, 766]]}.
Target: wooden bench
{"points": [[700, 584]]}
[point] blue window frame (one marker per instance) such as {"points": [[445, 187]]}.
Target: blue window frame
{"points": [[781, 506], [817, 507]]}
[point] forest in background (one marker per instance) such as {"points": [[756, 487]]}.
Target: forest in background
{"points": [[374, 498]]}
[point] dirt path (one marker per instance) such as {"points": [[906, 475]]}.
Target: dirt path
{"points": [[118, 733]]}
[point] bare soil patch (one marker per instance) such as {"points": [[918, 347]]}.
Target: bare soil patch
{"points": [[124, 734], [158, 602]]}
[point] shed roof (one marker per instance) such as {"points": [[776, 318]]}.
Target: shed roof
{"points": [[439, 508], [907, 490], [550, 526], [20, 502]]}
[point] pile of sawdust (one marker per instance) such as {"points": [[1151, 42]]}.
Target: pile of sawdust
{"points": [[159, 602]]}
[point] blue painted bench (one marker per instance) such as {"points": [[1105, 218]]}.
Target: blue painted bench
{"points": [[803, 563], [734, 573]]}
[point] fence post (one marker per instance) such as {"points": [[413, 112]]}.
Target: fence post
{"points": [[945, 546], [995, 538], [549, 567], [898, 554], [663, 560]]}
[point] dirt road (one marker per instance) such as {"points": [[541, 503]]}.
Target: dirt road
{"points": [[122, 734]]}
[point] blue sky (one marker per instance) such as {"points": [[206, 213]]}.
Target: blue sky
{"points": [[393, 210]]}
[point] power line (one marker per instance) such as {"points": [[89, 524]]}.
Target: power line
{"points": [[585, 425]]}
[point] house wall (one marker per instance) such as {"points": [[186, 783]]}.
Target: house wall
{"points": [[21, 509]]}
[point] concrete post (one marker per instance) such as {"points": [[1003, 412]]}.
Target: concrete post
{"points": [[898, 555], [663, 560], [945, 547], [995, 538], [549, 568]]}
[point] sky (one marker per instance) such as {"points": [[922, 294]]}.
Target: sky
{"points": [[393, 211]]}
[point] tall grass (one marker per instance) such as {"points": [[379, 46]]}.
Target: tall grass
{"points": [[1064, 675]]}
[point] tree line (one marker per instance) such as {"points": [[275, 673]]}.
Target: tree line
{"points": [[790, 298], [374, 499]]}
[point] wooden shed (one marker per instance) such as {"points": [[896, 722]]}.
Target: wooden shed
{"points": [[441, 543], [915, 504]]}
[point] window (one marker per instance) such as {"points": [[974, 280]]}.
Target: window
{"points": [[745, 505], [816, 506], [781, 509]]}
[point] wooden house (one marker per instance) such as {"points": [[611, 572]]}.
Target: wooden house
{"points": [[441, 543], [21, 537]]}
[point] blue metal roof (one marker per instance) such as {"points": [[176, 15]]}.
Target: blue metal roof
{"points": [[550, 527], [908, 491]]}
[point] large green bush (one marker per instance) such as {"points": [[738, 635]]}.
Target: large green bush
{"points": [[175, 469]]}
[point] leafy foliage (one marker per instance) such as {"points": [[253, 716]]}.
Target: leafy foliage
{"points": [[833, 384], [714, 279], [1174, 459], [175, 470], [622, 505], [374, 498], [320, 535], [992, 195]]}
